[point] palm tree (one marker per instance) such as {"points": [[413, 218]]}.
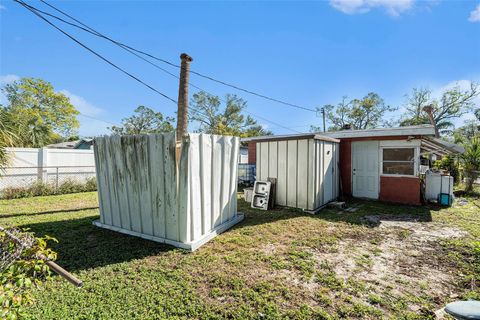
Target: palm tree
{"points": [[7, 138], [470, 161]]}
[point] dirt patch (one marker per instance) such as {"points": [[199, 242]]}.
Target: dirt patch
{"points": [[420, 230], [356, 270], [405, 258]]}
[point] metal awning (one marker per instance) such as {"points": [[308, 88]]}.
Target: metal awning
{"points": [[440, 147]]}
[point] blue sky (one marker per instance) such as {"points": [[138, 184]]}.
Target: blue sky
{"points": [[307, 53]]}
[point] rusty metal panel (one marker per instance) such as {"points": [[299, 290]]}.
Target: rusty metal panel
{"points": [[142, 192]]}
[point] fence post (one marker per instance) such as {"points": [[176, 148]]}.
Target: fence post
{"points": [[56, 179], [42, 164]]}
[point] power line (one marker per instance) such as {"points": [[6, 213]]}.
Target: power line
{"points": [[275, 123], [299, 126], [95, 32], [93, 51], [93, 118], [257, 116], [33, 10]]}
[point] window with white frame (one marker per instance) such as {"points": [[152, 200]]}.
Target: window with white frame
{"points": [[398, 161]]}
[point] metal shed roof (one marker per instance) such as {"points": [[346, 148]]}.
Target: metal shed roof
{"points": [[315, 136], [421, 130], [427, 133], [440, 147]]}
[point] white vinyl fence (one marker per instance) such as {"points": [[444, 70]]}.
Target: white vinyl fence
{"points": [[54, 166]]}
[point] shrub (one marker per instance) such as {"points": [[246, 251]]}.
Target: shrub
{"points": [[22, 267], [46, 189], [91, 184], [450, 164], [35, 189], [470, 161], [70, 186]]}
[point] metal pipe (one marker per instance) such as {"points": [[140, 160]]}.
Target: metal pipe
{"points": [[64, 273]]}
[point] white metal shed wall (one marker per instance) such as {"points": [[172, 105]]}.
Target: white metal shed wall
{"points": [[306, 171], [142, 193]]}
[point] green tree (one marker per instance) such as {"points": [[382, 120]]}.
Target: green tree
{"points": [[467, 132], [470, 161], [144, 121], [365, 113], [228, 120], [37, 112], [452, 104], [8, 138]]}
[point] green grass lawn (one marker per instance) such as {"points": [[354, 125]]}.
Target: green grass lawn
{"points": [[276, 264]]}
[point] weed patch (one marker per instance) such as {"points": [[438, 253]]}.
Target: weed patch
{"points": [[277, 264]]}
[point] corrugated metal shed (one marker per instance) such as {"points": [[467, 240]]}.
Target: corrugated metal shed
{"points": [[142, 193], [305, 166]]}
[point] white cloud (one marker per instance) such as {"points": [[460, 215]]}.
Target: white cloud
{"points": [[82, 105], [475, 14], [392, 7], [463, 85], [91, 128], [8, 78]]}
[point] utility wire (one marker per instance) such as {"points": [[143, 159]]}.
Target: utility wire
{"points": [[93, 118], [256, 115], [94, 32], [93, 51], [128, 49], [33, 10]]}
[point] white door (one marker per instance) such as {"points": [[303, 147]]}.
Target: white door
{"points": [[328, 172], [365, 169]]}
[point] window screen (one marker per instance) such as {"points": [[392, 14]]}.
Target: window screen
{"points": [[398, 154], [399, 161]]}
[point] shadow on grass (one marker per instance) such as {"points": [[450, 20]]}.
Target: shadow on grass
{"points": [[462, 193], [83, 246], [384, 211], [12, 215]]}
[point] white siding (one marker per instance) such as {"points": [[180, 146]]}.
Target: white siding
{"points": [[301, 171], [143, 194], [302, 174], [292, 165], [282, 173]]}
